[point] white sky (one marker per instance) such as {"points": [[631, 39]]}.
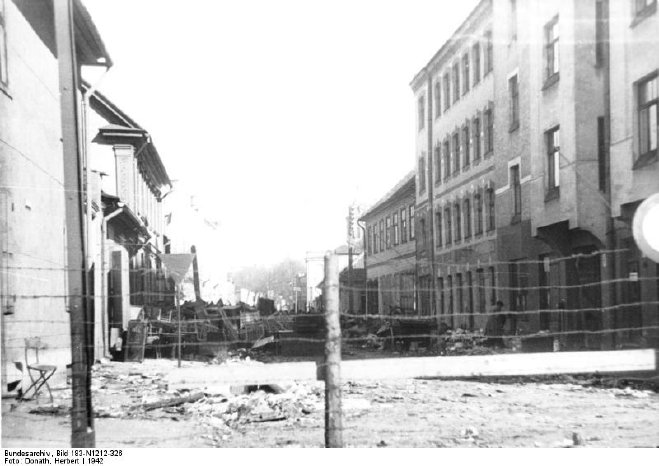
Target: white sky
{"points": [[279, 113]]}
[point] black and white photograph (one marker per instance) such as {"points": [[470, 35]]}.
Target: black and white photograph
{"points": [[275, 224]]}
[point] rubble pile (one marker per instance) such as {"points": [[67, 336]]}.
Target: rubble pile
{"points": [[460, 342]]}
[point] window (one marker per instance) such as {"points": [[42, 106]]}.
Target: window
{"points": [[478, 200], [460, 300], [601, 154], [490, 209], [442, 298], [513, 92], [493, 284], [438, 164], [447, 91], [513, 20], [553, 159], [4, 76], [447, 159], [456, 82], [438, 229], [376, 238], [422, 173], [489, 131], [480, 276], [456, 153], [466, 144], [387, 231], [465, 73], [449, 225], [476, 57], [477, 138], [600, 36], [369, 246], [551, 49], [438, 99], [467, 216], [382, 238], [422, 225], [449, 285], [648, 115], [458, 222], [412, 232], [396, 230], [403, 225], [488, 52], [421, 108], [517, 192]]}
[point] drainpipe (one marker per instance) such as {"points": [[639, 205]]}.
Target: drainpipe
{"points": [[610, 222], [104, 282], [364, 254]]}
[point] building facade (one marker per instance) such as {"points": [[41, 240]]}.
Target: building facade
{"points": [[390, 251], [33, 260], [533, 153], [456, 242]]}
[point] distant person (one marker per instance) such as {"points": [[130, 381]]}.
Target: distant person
{"points": [[494, 327]]}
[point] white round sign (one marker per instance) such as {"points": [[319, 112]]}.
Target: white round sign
{"points": [[646, 227]]}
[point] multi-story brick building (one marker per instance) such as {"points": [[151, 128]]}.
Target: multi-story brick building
{"points": [[390, 250], [456, 243], [634, 132], [566, 146]]}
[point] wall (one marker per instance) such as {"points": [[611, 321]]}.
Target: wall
{"points": [[32, 223]]}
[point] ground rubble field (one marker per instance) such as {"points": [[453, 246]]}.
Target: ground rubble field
{"points": [[135, 406]]}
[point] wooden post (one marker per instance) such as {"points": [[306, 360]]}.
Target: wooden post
{"points": [[333, 413], [82, 418], [178, 314], [195, 274]]}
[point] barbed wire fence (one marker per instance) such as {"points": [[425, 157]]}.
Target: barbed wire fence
{"points": [[643, 309]]}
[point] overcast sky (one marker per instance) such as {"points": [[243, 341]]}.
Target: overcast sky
{"points": [[279, 113]]}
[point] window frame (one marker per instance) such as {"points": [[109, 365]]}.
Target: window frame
{"points": [[491, 210], [466, 134], [645, 156], [421, 112], [516, 189], [456, 81], [438, 163], [403, 225], [489, 53], [382, 237], [457, 209], [387, 231], [422, 173], [552, 51], [456, 152], [476, 58], [553, 161], [438, 229], [395, 228], [411, 221], [447, 90], [465, 73], [449, 225], [447, 158], [478, 200], [488, 131], [438, 99], [466, 214], [513, 109], [476, 132]]}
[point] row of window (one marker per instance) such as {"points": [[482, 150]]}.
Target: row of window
{"points": [[390, 231], [462, 75], [465, 146], [456, 222], [463, 293]]}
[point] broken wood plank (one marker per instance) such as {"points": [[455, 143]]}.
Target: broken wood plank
{"points": [[169, 402]]}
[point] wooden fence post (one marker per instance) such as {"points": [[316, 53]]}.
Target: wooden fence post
{"points": [[333, 413]]}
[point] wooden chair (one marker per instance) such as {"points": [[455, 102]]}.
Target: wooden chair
{"points": [[43, 371]]}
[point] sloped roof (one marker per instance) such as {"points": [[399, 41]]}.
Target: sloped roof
{"points": [[409, 181]]}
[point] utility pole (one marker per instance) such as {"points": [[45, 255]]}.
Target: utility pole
{"points": [[332, 372], [82, 419]]}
